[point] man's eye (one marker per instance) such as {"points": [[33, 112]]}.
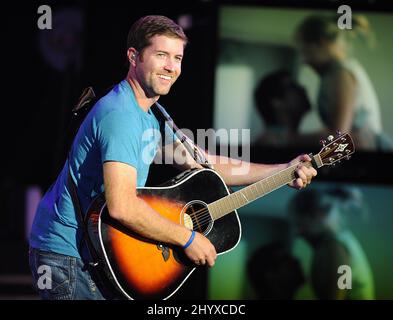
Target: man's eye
{"points": [[179, 59], [161, 55]]}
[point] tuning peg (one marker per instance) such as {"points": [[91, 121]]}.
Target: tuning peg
{"points": [[330, 138], [322, 142], [338, 132]]}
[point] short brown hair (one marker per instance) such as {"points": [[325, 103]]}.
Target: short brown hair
{"points": [[147, 27]]}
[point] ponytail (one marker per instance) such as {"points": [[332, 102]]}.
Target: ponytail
{"points": [[324, 27], [362, 30]]}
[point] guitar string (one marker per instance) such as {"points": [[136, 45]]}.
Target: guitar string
{"points": [[203, 221], [201, 212], [206, 220]]}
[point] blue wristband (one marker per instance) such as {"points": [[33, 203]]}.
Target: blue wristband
{"points": [[190, 240]]}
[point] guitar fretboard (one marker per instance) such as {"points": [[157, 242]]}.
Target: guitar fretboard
{"points": [[240, 198]]}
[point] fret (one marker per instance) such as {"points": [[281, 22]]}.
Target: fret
{"points": [[259, 188], [255, 192], [263, 187], [225, 205], [250, 193], [231, 203], [275, 184], [243, 196], [269, 183], [237, 200], [212, 210], [282, 178], [221, 208], [242, 201], [246, 194]]}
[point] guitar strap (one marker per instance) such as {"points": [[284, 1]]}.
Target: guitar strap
{"points": [[192, 148], [87, 98], [78, 210], [83, 106], [92, 261], [85, 102]]}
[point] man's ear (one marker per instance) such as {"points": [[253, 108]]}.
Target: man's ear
{"points": [[131, 54]]}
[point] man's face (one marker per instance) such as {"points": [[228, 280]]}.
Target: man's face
{"points": [[159, 64]]}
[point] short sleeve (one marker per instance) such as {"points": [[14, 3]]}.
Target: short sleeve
{"points": [[119, 138]]}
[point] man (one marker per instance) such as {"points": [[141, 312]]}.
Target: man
{"points": [[107, 155], [282, 104]]}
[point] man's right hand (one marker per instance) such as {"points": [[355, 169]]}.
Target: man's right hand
{"points": [[201, 251]]}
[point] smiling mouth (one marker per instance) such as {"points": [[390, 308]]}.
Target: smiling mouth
{"points": [[168, 78]]}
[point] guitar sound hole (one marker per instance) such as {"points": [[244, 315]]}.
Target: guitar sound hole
{"points": [[196, 217]]}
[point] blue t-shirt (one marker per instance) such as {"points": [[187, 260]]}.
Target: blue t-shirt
{"points": [[116, 129]]}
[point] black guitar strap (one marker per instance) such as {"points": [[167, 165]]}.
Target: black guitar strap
{"points": [[78, 211], [92, 261], [79, 111], [84, 105]]}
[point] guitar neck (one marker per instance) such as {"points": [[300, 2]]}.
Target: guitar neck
{"points": [[238, 199]]}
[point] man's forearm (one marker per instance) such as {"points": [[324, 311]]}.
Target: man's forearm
{"points": [[145, 221], [236, 172]]}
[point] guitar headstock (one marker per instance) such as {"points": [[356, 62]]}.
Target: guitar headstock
{"points": [[338, 148]]}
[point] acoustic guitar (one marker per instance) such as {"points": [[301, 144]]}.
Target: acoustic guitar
{"points": [[200, 200]]}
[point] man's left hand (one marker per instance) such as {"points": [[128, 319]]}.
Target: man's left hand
{"points": [[304, 174]]}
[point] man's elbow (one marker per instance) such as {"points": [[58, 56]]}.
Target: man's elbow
{"points": [[116, 212], [121, 211]]}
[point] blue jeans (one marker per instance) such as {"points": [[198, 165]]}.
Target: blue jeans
{"points": [[61, 277]]}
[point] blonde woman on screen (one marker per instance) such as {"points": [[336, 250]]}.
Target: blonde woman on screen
{"points": [[347, 100]]}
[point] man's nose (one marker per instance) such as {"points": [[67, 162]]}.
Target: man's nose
{"points": [[170, 65]]}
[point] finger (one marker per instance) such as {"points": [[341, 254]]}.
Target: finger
{"points": [[313, 172], [299, 183], [210, 261], [304, 157], [308, 175], [301, 174], [214, 253]]}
